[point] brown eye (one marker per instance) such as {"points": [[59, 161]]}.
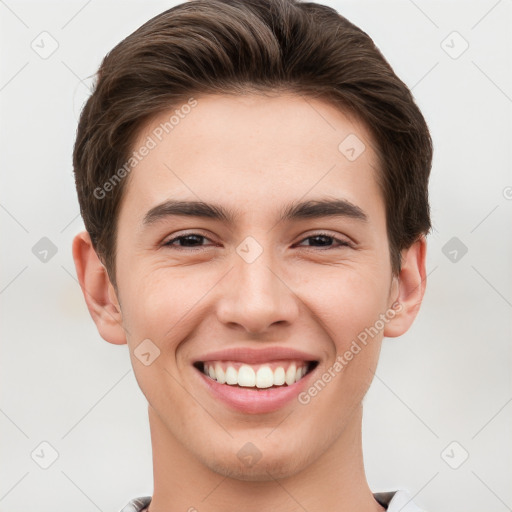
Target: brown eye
{"points": [[191, 240], [323, 240]]}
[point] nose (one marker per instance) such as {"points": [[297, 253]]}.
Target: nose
{"points": [[256, 297]]}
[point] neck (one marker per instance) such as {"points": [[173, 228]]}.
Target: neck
{"points": [[335, 481]]}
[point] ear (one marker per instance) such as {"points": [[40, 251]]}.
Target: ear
{"points": [[408, 289], [98, 291]]}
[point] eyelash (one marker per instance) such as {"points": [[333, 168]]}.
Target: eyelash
{"points": [[341, 243]]}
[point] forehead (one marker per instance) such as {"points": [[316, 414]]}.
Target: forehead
{"points": [[253, 151]]}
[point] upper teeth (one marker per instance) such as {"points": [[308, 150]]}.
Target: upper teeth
{"points": [[260, 376]]}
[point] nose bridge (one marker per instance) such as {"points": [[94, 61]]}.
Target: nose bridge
{"points": [[255, 297], [256, 281]]}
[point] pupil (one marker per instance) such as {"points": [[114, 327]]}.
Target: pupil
{"points": [[322, 237], [190, 239]]}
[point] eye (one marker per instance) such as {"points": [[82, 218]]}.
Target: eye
{"points": [[190, 240], [194, 240], [325, 240]]}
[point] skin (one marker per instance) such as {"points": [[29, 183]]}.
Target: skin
{"points": [[253, 154]]}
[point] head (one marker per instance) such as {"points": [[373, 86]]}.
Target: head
{"points": [[260, 113]]}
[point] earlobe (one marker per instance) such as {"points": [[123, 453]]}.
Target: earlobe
{"points": [[98, 291], [411, 289]]}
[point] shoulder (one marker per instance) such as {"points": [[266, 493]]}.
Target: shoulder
{"points": [[137, 504], [396, 501]]}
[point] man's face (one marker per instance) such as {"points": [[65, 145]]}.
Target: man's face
{"points": [[304, 283]]}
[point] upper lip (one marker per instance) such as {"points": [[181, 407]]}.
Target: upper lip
{"points": [[256, 356]]}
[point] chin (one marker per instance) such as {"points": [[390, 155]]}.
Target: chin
{"points": [[264, 470]]}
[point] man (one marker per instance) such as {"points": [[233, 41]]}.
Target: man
{"points": [[253, 179]]}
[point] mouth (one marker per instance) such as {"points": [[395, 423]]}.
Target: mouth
{"points": [[250, 388], [257, 377]]}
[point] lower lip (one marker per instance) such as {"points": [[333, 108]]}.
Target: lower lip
{"points": [[251, 400]]}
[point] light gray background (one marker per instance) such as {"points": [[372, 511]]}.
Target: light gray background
{"points": [[446, 380]]}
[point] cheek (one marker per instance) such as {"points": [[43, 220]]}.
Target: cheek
{"points": [[160, 303], [348, 306], [345, 300]]}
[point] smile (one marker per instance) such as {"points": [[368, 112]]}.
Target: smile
{"points": [[260, 376], [250, 381]]}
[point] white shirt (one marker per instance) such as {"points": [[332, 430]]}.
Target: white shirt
{"points": [[396, 501]]}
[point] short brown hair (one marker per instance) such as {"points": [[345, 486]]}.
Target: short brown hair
{"points": [[241, 46]]}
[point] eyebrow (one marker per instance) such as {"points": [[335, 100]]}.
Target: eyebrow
{"points": [[298, 210]]}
